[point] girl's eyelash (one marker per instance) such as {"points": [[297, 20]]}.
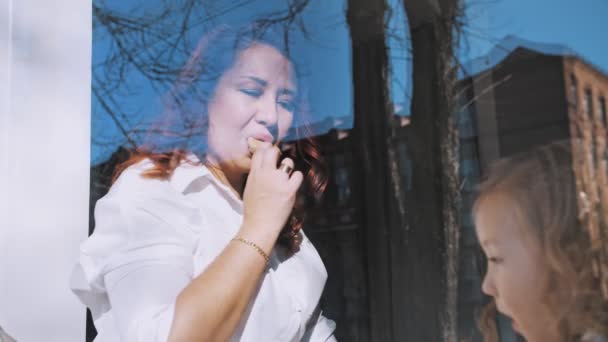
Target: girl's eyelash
{"points": [[494, 260]]}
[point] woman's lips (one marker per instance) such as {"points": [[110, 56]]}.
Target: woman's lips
{"points": [[264, 136]]}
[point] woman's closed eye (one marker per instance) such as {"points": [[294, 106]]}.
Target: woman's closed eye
{"points": [[288, 105], [252, 92]]}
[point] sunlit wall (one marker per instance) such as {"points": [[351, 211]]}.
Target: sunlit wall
{"points": [[44, 164]]}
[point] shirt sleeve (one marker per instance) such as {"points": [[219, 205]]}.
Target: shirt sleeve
{"points": [[136, 263], [143, 300]]}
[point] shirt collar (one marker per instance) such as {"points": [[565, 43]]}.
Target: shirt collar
{"points": [[192, 170]]}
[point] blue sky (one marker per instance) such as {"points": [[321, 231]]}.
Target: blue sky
{"points": [[581, 25], [325, 55]]}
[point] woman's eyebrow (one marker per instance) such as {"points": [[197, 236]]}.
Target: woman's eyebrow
{"points": [[257, 80], [287, 91]]}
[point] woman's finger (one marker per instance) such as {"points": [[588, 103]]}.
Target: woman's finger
{"points": [[295, 181], [257, 160], [271, 157], [287, 165]]}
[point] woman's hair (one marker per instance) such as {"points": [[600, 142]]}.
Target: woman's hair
{"points": [[541, 184], [183, 127]]}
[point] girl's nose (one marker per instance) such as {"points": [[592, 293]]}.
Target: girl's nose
{"points": [[487, 286]]}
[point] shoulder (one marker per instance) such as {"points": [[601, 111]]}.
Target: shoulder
{"points": [[140, 219], [136, 206], [131, 184], [133, 190]]}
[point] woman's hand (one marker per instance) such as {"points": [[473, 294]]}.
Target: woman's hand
{"points": [[269, 194], [216, 299]]}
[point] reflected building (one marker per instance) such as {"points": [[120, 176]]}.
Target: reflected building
{"points": [[528, 97]]}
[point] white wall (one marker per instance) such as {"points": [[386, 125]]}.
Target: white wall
{"points": [[45, 53]]}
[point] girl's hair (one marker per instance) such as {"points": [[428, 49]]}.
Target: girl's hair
{"points": [[541, 184], [183, 127]]}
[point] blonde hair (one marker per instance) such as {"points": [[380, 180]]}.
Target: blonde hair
{"points": [[542, 184]]}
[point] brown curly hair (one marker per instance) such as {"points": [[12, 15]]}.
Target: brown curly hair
{"points": [[543, 182]]}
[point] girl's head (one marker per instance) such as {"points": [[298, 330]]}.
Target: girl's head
{"points": [[539, 266]]}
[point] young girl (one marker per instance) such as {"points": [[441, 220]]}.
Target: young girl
{"points": [[539, 260]]}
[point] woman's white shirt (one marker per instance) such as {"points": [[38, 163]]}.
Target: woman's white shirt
{"points": [[152, 237]]}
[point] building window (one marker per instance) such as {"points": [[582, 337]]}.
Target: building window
{"points": [[343, 185], [573, 91], [469, 164], [588, 103], [466, 123], [469, 169], [602, 109], [342, 180]]}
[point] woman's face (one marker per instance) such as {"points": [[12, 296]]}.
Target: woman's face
{"points": [[253, 99], [517, 275]]}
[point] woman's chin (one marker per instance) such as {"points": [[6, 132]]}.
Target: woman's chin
{"points": [[244, 164]]}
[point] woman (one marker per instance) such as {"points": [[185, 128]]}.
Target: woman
{"points": [[203, 243], [539, 256]]}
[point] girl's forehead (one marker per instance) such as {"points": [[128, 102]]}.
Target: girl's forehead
{"points": [[499, 217]]}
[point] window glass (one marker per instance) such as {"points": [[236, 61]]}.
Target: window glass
{"points": [[140, 50]]}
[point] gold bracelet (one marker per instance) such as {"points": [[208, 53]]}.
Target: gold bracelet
{"points": [[256, 247]]}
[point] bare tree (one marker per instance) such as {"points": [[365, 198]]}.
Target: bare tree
{"points": [[412, 242], [148, 45]]}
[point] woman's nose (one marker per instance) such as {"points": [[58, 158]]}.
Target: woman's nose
{"points": [[267, 112]]}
